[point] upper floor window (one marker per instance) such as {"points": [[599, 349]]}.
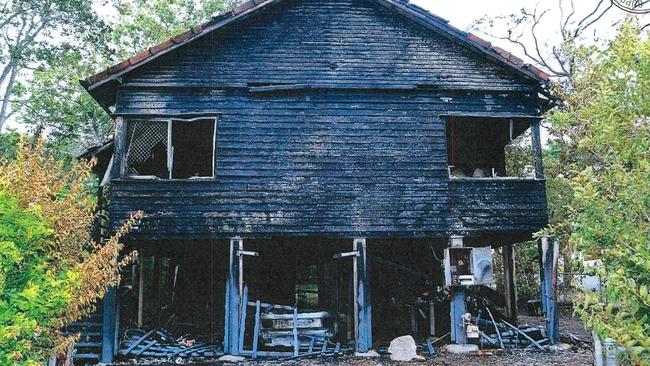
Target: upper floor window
{"points": [[489, 148], [170, 149]]}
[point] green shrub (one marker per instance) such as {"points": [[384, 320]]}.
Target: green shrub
{"points": [[605, 130], [32, 295]]}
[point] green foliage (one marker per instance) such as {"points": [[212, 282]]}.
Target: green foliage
{"points": [[143, 23], [604, 185], [32, 293], [9, 144], [60, 107], [34, 33], [527, 271], [519, 156], [51, 272]]}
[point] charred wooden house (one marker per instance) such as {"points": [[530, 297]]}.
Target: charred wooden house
{"points": [[313, 153]]}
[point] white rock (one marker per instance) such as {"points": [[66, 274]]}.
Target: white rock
{"points": [[403, 349], [371, 353], [561, 347], [231, 358]]}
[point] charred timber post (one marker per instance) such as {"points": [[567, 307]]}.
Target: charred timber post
{"points": [[141, 290], [119, 148], [549, 252], [537, 149], [510, 282], [234, 289], [109, 325], [457, 306], [362, 308]]}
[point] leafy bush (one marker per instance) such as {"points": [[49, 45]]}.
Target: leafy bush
{"points": [[32, 295], [51, 273], [605, 137]]}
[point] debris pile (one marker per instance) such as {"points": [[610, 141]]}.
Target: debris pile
{"points": [[160, 343], [502, 334]]}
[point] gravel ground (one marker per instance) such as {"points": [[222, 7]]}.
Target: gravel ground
{"points": [[579, 355], [574, 357], [510, 358]]}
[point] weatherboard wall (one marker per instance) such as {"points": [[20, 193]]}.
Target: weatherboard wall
{"points": [[312, 163], [355, 148]]}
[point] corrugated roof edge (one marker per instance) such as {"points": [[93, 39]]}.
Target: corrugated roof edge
{"points": [[185, 37]]}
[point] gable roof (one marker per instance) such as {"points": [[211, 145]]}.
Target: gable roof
{"points": [[98, 84]]}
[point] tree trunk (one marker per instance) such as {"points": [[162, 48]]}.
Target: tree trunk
{"points": [[4, 108]]}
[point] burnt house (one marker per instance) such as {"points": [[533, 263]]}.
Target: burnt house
{"points": [[313, 152]]}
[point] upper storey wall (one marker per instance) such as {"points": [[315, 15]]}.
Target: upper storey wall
{"points": [[342, 43]]}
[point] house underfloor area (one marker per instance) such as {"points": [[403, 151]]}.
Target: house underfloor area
{"points": [[290, 299]]}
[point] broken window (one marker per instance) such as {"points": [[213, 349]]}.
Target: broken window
{"points": [[486, 147], [147, 149], [190, 154]]}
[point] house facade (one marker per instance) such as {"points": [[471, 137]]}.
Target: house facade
{"points": [[299, 130]]}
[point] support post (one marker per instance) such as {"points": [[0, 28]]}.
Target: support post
{"points": [[457, 306], [510, 282], [234, 284], [432, 318], [362, 307], [156, 288], [537, 149], [109, 321], [141, 290], [458, 309], [549, 253]]}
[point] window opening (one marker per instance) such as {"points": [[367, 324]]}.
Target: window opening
{"points": [[193, 148], [488, 148], [189, 155]]}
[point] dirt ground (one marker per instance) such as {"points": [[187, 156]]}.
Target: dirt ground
{"points": [[580, 354]]}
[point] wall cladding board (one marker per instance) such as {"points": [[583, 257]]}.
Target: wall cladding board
{"points": [[497, 205]]}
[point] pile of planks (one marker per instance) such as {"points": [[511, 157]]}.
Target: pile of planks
{"points": [[502, 334], [159, 343]]}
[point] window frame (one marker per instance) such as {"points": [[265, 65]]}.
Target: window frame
{"points": [[170, 147], [448, 119]]}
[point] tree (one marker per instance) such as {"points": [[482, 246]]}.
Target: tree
{"points": [[61, 108], [561, 52], [51, 273], [143, 23], [54, 103], [523, 31], [8, 145], [32, 33], [606, 118]]}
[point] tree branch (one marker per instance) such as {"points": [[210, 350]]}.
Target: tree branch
{"points": [[564, 26], [580, 30], [576, 32]]}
